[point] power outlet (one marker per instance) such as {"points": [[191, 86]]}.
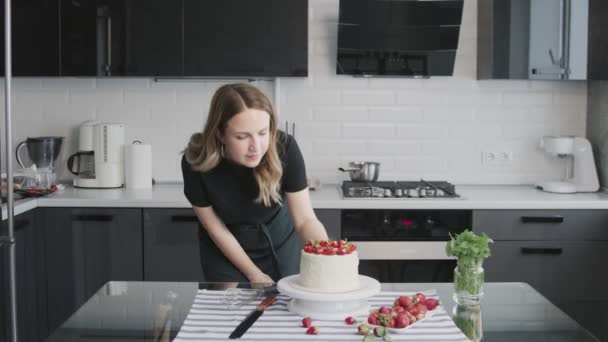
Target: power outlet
{"points": [[497, 157]]}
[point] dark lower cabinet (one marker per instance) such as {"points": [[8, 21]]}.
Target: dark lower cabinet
{"points": [[560, 253], [31, 291], [85, 248], [171, 248]]}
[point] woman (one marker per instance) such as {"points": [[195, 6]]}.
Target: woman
{"points": [[247, 184]]}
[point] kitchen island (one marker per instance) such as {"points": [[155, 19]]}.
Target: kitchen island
{"points": [[155, 311]]}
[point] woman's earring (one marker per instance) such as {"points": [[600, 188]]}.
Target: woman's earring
{"points": [[222, 151]]}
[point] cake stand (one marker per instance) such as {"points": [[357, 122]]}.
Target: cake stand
{"points": [[328, 305]]}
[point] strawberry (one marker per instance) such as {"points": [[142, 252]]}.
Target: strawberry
{"points": [[308, 244], [329, 251], [340, 252], [320, 251], [402, 320], [421, 308], [306, 322], [398, 309], [431, 303], [312, 331], [405, 301], [392, 323], [350, 320], [363, 329], [419, 297], [413, 310], [384, 310], [373, 317]]}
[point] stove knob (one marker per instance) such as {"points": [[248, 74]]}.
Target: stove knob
{"points": [[388, 193], [398, 192]]}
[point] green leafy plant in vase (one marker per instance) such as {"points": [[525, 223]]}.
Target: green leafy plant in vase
{"points": [[470, 251]]}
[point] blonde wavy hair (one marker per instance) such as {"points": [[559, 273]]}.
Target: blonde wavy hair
{"points": [[204, 150]]}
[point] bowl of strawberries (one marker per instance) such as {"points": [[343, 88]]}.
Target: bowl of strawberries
{"points": [[405, 312]]}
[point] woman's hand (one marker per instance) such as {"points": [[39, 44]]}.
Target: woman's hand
{"points": [[260, 278]]}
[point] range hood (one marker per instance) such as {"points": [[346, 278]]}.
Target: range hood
{"points": [[398, 38]]}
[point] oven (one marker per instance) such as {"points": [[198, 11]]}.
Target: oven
{"points": [[402, 245]]}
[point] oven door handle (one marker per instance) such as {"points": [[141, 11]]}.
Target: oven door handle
{"points": [[402, 250]]}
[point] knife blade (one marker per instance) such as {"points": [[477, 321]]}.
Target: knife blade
{"points": [[252, 317]]}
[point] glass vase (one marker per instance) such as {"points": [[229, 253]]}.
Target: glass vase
{"points": [[468, 320], [468, 282]]}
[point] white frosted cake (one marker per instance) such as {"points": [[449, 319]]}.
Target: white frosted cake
{"points": [[329, 266]]}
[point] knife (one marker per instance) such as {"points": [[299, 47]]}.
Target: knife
{"points": [[252, 317]]}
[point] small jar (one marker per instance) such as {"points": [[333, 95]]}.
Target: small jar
{"points": [[468, 281]]}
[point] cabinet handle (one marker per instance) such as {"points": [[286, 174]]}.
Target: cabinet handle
{"points": [[542, 219], [541, 250], [184, 218], [93, 218]]}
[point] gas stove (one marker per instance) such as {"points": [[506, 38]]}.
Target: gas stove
{"points": [[399, 189]]}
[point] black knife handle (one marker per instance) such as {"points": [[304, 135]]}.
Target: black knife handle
{"points": [[246, 323]]}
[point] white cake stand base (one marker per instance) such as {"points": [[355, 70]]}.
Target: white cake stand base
{"points": [[336, 305]]}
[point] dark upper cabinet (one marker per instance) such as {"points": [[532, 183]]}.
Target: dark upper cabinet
{"points": [[35, 37], [262, 38], [107, 38], [542, 39], [92, 37], [153, 38]]}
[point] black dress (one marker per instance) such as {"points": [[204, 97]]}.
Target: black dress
{"points": [[265, 233]]}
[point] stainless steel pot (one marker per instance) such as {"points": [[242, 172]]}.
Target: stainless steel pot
{"points": [[363, 171]]}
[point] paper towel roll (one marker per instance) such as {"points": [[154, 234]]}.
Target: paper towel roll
{"points": [[138, 166]]}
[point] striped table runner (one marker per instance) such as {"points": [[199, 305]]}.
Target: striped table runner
{"points": [[210, 319]]}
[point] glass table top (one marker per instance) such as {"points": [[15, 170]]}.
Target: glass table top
{"points": [[154, 311]]}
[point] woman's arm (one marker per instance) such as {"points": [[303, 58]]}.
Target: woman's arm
{"points": [[303, 216], [228, 244]]}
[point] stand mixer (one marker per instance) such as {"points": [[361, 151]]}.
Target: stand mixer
{"points": [[581, 174]]}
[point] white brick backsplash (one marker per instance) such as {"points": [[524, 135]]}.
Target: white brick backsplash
{"points": [[68, 83], [41, 96], [396, 83], [570, 99], [149, 97], [475, 132], [527, 98], [342, 114], [25, 83], [368, 97], [119, 113], [472, 98], [433, 128], [513, 131], [396, 114], [394, 148], [318, 130], [95, 97], [421, 97], [313, 97], [448, 113], [368, 131], [421, 132], [501, 114], [337, 147], [419, 164]]}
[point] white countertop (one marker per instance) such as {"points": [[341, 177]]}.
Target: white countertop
{"points": [[329, 197]]}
